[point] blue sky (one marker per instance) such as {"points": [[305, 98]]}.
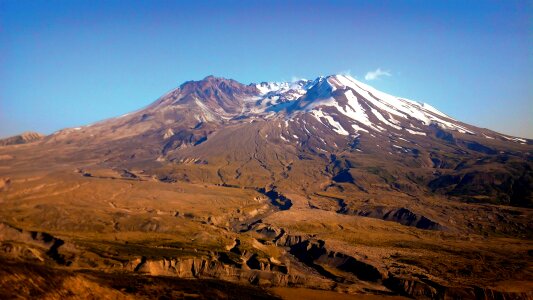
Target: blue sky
{"points": [[70, 63]]}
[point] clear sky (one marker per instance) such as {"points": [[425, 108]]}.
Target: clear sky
{"points": [[69, 63]]}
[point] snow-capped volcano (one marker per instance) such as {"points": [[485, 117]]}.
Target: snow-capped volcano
{"points": [[339, 104], [307, 133]]}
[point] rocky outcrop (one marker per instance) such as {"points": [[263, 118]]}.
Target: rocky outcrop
{"points": [[315, 254], [401, 215], [17, 242], [24, 138], [278, 236], [427, 289], [4, 184], [254, 271], [276, 198]]}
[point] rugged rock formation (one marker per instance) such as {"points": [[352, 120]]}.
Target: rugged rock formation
{"points": [[23, 138]]}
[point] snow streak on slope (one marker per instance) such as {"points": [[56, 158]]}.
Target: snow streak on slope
{"points": [[318, 114]]}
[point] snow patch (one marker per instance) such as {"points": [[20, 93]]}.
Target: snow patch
{"points": [[415, 132], [337, 127]]}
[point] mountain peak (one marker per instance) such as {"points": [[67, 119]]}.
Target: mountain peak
{"points": [[216, 85], [216, 94], [211, 77], [208, 80]]}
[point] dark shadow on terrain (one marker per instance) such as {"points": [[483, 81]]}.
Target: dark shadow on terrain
{"points": [[31, 281]]}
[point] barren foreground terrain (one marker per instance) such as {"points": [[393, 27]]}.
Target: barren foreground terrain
{"points": [[105, 224]]}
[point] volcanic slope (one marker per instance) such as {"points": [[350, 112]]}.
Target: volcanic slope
{"points": [[326, 184]]}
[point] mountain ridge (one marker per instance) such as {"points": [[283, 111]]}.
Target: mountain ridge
{"points": [[273, 97], [209, 121], [271, 92]]}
